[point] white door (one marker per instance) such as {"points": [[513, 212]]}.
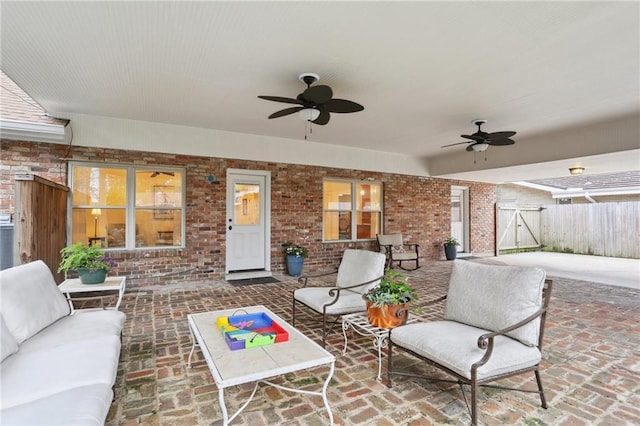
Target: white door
{"points": [[459, 215], [248, 221]]}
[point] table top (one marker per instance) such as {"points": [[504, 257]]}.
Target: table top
{"points": [[74, 285], [231, 368]]}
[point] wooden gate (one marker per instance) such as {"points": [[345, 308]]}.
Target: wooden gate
{"points": [[40, 225], [518, 227]]}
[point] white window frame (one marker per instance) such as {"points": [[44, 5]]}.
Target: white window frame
{"points": [[130, 207], [354, 207]]}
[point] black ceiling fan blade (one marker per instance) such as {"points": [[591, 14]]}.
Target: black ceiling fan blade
{"points": [[342, 106], [476, 138], [500, 135], [453, 144], [318, 94], [285, 111], [323, 118], [501, 142], [281, 99]]}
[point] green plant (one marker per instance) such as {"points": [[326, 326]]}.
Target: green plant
{"points": [[81, 255], [291, 249], [392, 290], [451, 241]]}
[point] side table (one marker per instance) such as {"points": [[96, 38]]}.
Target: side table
{"points": [[74, 285], [360, 323]]}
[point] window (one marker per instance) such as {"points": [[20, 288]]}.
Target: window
{"points": [[126, 207], [352, 210]]}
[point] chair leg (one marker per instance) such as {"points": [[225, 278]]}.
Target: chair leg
{"points": [[389, 360], [324, 331], [293, 321], [543, 400], [474, 402]]}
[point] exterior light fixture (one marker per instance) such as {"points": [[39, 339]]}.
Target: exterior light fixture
{"points": [[309, 114], [576, 170]]}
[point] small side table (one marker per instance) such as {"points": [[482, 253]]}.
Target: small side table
{"points": [[360, 323], [70, 286]]}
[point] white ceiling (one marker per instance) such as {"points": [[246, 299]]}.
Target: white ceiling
{"points": [[422, 70]]}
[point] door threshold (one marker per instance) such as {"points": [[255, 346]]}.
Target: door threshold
{"points": [[243, 275]]}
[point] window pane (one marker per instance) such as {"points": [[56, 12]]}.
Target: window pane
{"points": [[368, 197], [368, 225], [247, 204], [158, 227], [337, 195], [99, 187], [337, 226], [104, 227], [158, 190]]}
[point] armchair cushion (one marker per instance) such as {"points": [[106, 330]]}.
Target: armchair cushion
{"points": [[494, 297], [454, 346], [317, 297], [359, 266]]}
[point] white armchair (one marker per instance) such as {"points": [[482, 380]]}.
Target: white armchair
{"points": [[359, 271], [492, 328]]}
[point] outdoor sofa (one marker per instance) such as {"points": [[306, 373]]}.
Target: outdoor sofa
{"points": [[56, 368]]}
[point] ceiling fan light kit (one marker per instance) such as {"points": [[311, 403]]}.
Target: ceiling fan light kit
{"points": [[576, 170]]}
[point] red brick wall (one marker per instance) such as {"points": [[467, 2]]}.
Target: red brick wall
{"points": [[417, 207]]}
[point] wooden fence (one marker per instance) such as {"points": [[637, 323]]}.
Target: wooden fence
{"points": [[603, 229], [40, 225]]}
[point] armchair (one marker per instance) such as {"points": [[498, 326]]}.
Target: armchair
{"points": [[397, 251], [359, 271], [492, 329]]}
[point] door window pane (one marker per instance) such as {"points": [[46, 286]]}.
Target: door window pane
{"points": [[247, 204]]}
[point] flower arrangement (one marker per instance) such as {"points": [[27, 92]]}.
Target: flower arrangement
{"points": [[451, 241], [291, 249], [392, 290]]}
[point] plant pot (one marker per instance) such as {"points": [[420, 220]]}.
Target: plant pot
{"points": [[294, 265], [450, 251], [387, 316], [92, 276]]}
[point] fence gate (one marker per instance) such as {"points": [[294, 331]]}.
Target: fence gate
{"points": [[518, 227]]}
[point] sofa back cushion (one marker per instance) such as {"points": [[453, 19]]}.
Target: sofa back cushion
{"points": [[359, 266], [30, 299], [8, 344], [493, 297]]}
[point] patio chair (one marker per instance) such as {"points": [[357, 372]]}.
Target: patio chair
{"points": [[493, 328], [359, 271], [397, 251]]}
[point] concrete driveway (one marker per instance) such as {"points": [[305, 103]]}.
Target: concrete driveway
{"points": [[599, 269]]}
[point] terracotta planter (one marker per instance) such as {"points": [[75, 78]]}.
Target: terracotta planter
{"points": [[387, 316]]}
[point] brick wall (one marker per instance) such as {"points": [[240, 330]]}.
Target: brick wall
{"points": [[417, 207]]}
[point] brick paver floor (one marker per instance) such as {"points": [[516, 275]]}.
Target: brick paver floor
{"points": [[591, 367]]}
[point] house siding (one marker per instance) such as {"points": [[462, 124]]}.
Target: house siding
{"points": [[417, 207]]}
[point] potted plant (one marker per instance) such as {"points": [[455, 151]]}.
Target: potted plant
{"points": [[387, 303], [88, 261], [295, 254], [451, 248]]}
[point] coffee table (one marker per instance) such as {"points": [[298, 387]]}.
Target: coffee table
{"points": [[230, 368]]}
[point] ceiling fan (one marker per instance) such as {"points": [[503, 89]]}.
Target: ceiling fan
{"points": [[315, 103], [156, 173], [480, 140]]}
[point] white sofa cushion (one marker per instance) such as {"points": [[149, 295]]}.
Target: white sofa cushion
{"points": [[34, 375], [454, 346], [8, 344], [493, 297], [82, 325], [316, 297], [359, 266], [81, 406], [30, 299]]}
